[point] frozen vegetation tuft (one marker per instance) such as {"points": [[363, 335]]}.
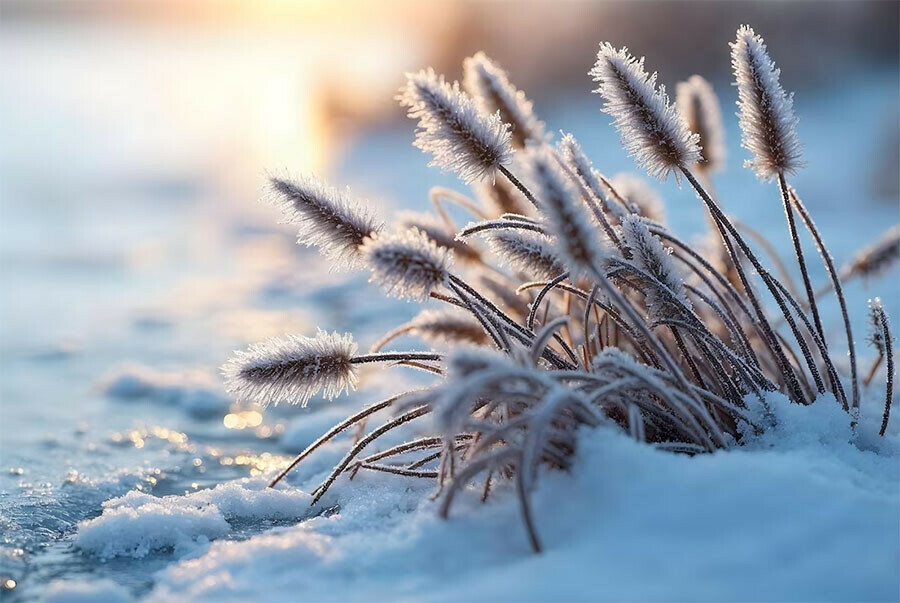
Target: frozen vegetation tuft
{"points": [[659, 420]]}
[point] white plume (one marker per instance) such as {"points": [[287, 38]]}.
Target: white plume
{"points": [[651, 130], [407, 264], [459, 136], [293, 369], [766, 111]]}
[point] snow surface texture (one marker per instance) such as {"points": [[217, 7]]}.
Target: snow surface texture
{"points": [[83, 591], [807, 511], [137, 524], [196, 392]]}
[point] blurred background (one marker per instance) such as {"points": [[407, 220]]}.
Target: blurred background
{"points": [[134, 140]]}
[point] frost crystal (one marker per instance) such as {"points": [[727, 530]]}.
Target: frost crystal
{"points": [[437, 231], [766, 111], [649, 255], [328, 218], [876, 329], [573, 233], [452, 128], [651, 130], [293, 369], [878, 257], [407, 264], [489, 84], [699, 108], [576, 160]]}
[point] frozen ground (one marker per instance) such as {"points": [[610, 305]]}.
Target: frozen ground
{"points": [[127, 474]]}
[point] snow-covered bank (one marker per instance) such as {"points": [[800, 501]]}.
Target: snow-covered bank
{"points": [[137, 524], [809, 511]]}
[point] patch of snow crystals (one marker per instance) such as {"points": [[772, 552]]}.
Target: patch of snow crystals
{"points": [[800, 513], [138, 523], [83, 591]]}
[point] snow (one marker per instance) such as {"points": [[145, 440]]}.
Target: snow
{"points": [[126, 531], [83, 591], [807, 511], [137, 524], [196, 392], [803, 512]]}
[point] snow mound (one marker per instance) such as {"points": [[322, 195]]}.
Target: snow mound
{"points": [[196, 392], [137, 524], [799, 513], [82, 591], [153, 526]]}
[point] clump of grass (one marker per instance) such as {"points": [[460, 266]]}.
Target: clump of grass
{"points": [[572, 303]]}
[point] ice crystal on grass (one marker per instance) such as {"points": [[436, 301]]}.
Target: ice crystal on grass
{"points": [[667, 293], [437, 231], [876, 332], [452, 128], [489, 84], [574, 235], [651, 130], [526, 251], [877, 257], [293, 369], [767, 119], [407, 264]]}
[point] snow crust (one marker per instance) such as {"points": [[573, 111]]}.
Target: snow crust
{"points": [[809, 510], [137, 524]]}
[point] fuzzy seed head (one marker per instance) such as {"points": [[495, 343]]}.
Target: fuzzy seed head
{"points": [[573, 233], [407, 264], [878, 257], [698, 106], [575, 158], [327, 218], [452, 128], [767, 120], [489, 85], [651, 130], [579, 163], [437, 231], [649, 254], [526, 251], [293, 369]]}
